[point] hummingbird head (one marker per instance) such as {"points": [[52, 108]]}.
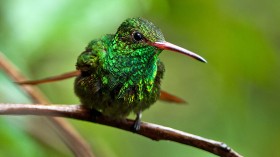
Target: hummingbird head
{"points": [[138, 36], [134, 35]]}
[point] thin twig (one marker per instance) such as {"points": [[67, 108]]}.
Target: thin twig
{"points": [[65, 131], [152, 131]]}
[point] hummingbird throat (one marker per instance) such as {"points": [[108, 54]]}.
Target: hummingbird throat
{"points": [[132, 71]]}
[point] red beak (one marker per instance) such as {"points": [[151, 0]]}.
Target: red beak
{"points": [[169, 46]]}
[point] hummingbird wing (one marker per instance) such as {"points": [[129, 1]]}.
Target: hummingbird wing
{"points": [[165, 96], [52, 78]]}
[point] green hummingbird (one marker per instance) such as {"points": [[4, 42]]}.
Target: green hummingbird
{"points": [[121, 73]]}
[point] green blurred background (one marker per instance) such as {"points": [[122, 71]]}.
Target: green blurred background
{"points": [[234, 98]]}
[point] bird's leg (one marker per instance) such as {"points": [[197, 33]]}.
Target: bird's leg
{"points": [[93, 112], [137, 122]]}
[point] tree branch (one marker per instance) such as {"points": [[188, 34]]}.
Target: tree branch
{"points": [[152, 131], [65, 131], [80, 148]]}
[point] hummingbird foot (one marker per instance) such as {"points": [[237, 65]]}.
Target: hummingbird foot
{"points": [[137, 122], [95, 114]]}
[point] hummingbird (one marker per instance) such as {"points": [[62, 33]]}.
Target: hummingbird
{"points": [[121, 73]]}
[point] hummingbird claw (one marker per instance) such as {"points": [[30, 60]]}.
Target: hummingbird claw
{"points": [[93, 112], [137, 122]]}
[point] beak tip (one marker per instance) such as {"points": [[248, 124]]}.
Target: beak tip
{"points": [[202, 60]]}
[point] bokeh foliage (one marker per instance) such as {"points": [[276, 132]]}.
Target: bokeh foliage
{"points": [[234, 98]]}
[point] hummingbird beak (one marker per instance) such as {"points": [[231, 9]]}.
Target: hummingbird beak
{"points": [[169, 46]]}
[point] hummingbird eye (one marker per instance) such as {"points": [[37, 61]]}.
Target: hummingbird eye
{"points": [[137, 36]]}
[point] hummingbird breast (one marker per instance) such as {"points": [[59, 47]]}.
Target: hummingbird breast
{"points": [[120, 99]]}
